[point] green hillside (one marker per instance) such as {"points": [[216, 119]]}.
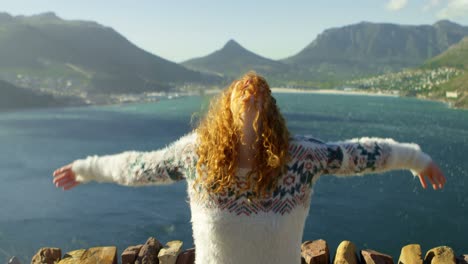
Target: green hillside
{"points": [[48, 51], [457, 57], [444, 78], [12, 97]]}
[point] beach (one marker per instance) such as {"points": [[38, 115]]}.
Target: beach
{"points": [[329, 91]]}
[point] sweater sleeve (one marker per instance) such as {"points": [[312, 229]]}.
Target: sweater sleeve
{"points": [[132, 168], [366, 155]]}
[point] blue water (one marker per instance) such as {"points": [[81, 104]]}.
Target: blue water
{"points": [[383, 212]]}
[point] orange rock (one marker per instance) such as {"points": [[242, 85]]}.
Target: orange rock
{"points": [[47, 256], [315, 252], [369, 256], [440, 255], [149, 252], [130, 254], [72, 257], [168, 254], [346, 253], [102, 255], [186, 257], [411, 254]]}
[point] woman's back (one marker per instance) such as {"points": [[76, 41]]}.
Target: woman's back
{"points": [[230, 228]]}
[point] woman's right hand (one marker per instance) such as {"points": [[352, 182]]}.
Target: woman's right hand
{"points": [[65, 178]]}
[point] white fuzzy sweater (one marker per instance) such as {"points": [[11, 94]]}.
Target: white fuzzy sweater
{"points": [[230, 228]]}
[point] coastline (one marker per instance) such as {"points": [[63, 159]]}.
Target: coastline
{"points": [[435, 100], [329, 91], [275, 90], [448, 103]]}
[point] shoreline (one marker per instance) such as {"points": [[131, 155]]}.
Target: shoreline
{"points": [[275, 90], [329, 91], [449, 104]]}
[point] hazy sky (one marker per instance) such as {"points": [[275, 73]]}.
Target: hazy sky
{"points": [[179, 30]]}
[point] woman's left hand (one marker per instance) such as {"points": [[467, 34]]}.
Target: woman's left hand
{"points": [[435, 176]]}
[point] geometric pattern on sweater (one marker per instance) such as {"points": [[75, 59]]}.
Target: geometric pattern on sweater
{"points": [[176, 163], [291, 191], [347, 157], [309, 159]]}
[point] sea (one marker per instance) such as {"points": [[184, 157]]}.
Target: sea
{"points": [[383, 212]]}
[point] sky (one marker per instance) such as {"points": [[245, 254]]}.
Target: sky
{"points": [[179, 30]]}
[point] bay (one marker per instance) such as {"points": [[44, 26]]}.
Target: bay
{"points": [[383, 212]]}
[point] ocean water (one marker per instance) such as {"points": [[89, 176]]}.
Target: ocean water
{"points": [[382, 212]]}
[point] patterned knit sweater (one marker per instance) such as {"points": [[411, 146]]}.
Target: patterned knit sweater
{"points": [[234, 227]]}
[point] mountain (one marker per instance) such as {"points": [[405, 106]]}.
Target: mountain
{"points": [[12, 97], [81, 56], [372, 48], [233, 60]]}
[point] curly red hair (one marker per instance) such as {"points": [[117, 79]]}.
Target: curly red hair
{"points": [[219, 137]]}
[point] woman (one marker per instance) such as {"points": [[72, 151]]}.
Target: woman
{"points": [[249, 182]]}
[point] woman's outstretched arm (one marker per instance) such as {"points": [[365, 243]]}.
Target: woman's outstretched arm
{"points": [[373, 155], [133, 168]]}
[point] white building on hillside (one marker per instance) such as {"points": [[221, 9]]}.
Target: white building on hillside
{"points": [[451, 94]]}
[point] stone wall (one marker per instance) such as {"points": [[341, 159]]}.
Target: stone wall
{"points": [[316, 252]]}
